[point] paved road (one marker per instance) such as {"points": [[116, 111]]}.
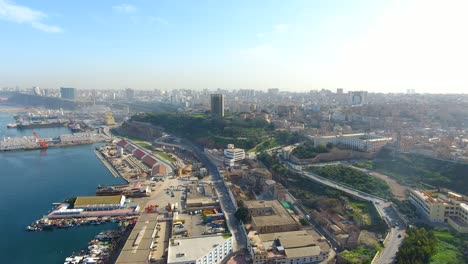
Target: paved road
{"points": [[225, 201], [384, 208]]}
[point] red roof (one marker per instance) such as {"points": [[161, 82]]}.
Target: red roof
{"points": [[122, 143], [138, 154], [159, 169], [149, 161]]}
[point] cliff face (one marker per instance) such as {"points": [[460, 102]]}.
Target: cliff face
{"points": [[32, 100]]}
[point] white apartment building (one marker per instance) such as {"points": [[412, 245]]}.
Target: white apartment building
{"points": [[199, 250], [232, 155], [358, 141], [442, 207]]}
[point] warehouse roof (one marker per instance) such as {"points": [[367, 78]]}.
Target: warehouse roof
{"points": [[93, 200]]}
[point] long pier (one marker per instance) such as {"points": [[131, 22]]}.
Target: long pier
{"points": [[30, 143], [106, 163]]}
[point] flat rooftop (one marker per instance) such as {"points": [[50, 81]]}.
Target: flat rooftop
{"points": [[278, 216], [295, 243], [90, 200], [192, 248]]}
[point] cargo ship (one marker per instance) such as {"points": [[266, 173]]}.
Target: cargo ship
{"points": [[75, 127], [40, 124], [111, 190]]}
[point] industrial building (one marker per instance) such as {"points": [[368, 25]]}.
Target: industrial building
{"points": [[359, 141], [270, 217], [296, 247], [199, 250], [442, 206], [99, 203], [217, 105]]}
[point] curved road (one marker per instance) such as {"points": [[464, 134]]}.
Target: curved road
{"points": [[384, 208]]}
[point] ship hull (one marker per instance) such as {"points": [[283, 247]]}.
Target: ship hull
{"points": [[41, 125]]}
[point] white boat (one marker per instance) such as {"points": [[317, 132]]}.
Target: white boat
{"points": [[11, 125]]}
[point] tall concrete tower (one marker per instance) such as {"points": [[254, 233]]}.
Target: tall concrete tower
{"points": [[217, 105]]}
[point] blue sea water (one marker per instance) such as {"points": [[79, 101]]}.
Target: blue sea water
{"points": [[30, 182]]}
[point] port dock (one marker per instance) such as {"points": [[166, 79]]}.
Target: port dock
{"points": [[108, 165], [31, 143]]}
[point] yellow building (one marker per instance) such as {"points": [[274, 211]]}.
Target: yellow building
{"points": [[442, 206], [109, 119]]}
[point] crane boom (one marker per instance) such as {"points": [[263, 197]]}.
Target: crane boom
{"points": [[42, 143]]}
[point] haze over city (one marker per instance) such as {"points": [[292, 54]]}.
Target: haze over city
{"points": [[378, 46]]}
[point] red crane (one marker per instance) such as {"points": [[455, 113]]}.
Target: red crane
{"points": [[42, 142]]}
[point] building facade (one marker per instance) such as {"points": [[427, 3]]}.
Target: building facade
{"points": [[199, 250], [217, 105], [359, 141], [442, 207], [68, 93], [232, 155]]}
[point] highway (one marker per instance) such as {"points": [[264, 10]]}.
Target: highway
{"points": [[384, 208]]}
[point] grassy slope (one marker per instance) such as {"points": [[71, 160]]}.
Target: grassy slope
{"points": [[448, 248], [354, 178], [414, 169]]}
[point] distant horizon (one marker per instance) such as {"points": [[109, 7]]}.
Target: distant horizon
{"points": [[377, 46], [214, 90]]}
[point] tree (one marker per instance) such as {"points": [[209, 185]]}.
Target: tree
{"points": [[419, 246], [241, 214]]}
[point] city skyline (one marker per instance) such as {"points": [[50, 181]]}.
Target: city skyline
{"points": [[377, 46]]}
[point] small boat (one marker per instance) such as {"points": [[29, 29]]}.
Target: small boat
{"points": [[12, 125]]}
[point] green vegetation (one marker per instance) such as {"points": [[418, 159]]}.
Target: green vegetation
{"points": [[304, 221], [241, 214], [308, 151], [144, 145], [449, 248], [418, 248], [415, 169], [359, 255], [316, 196], [354, 178], [405, 207], [264, 145], [211, 132], [164, 155], [288, 138], [71, 201], [365, 164], [302, 188]]}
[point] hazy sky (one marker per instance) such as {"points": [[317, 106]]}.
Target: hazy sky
{"points": [[387, 46]]}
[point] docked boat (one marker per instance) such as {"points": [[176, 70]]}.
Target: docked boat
{"points": [[12, 125], [40, 124]]}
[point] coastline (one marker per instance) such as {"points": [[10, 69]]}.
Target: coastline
{"points": [[109, 166]]}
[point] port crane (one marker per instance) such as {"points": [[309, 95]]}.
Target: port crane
{"points": [[42, 143]]}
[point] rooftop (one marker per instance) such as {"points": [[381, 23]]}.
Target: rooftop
{"points": [[295, 243], [303, 251], [91, 200], [193, 248]]}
